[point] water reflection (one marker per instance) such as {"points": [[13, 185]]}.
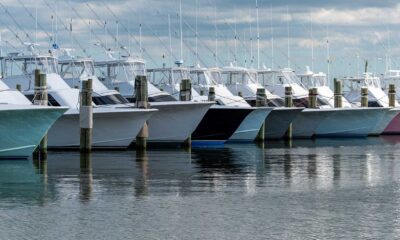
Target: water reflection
{"points": [[244, 168], [318, 186], [141, 179], [85, 177]]}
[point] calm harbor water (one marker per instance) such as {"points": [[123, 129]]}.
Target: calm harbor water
{"points": [[322, 189]]}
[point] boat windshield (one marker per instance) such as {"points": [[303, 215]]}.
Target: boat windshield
{"points": [[179, 74], [368, 81], [81, 69], [121, 71], [266, 78], [288, 77], [314, 80], [204, 78], [238, 77], [216, 77], [26, 65], [163, 77]]}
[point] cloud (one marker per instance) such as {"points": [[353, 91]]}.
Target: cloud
{"points": [[365, 27]]}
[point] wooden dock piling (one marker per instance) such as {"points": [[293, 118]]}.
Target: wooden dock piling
{"points": [[364, 97], [338, 93], [185, 93], [288, 103], [312, 97], [41, 98], [392, 95], [141, 102], [211, 94], [261, 101], [86, 116]]}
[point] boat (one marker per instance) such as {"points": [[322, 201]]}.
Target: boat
{"points": [[243, 82], [23, 125], [203, 78], [377, 98], [112, 127], [392, 77], [223, 122], [324, 121], [174, 122]]}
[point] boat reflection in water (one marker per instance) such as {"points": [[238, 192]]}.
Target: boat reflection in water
{"points": [[159, 188]]}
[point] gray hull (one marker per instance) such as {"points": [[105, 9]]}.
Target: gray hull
{"points": [[279, 120]]}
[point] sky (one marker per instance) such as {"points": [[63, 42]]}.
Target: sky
{"points": [[292, 33]]}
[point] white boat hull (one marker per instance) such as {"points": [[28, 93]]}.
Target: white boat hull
{"points": [[175, 121], [279, 120], [350, 122], [249, 128], [112, 128], [22, 129]]}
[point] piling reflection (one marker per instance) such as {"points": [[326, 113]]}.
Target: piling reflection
{"points": [[312, 166], [85, 177], [39, 160], [218, 160], [141, 179], [336, 167]]}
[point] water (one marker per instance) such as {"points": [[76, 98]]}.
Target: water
{"points": [[324, 189]]}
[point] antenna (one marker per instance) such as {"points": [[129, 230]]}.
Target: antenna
{"points": [[129, 37], [105, 33], [140, 39], [196, 59], [56, 21], [389, 65], [258, 38], [36, 23], [312, 43], [251, 43], [235, 57], [328, 54], [216, 35], [288, 36], [245, 49], [272, 40], [70, 32], [180, 25], [170, 38], [1, 45], [116, 37]]}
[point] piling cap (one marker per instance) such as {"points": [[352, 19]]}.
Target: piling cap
{"points": [[212, 90], [288, 90], [261, 91]]}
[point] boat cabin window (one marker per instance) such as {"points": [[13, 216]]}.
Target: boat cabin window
{"points": [[84, 69], [120, 71], [163, 77], [109, 99], [266, 78], [199, 78], [216, 77], [237, 77], [156, 98], [203, 78], [26, 66], [51, 100], [178, 75]]}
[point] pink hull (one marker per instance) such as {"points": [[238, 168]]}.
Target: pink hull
{"points": [[394, 126]]}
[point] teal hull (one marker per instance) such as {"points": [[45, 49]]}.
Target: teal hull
{"points": [[22, 129]]}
